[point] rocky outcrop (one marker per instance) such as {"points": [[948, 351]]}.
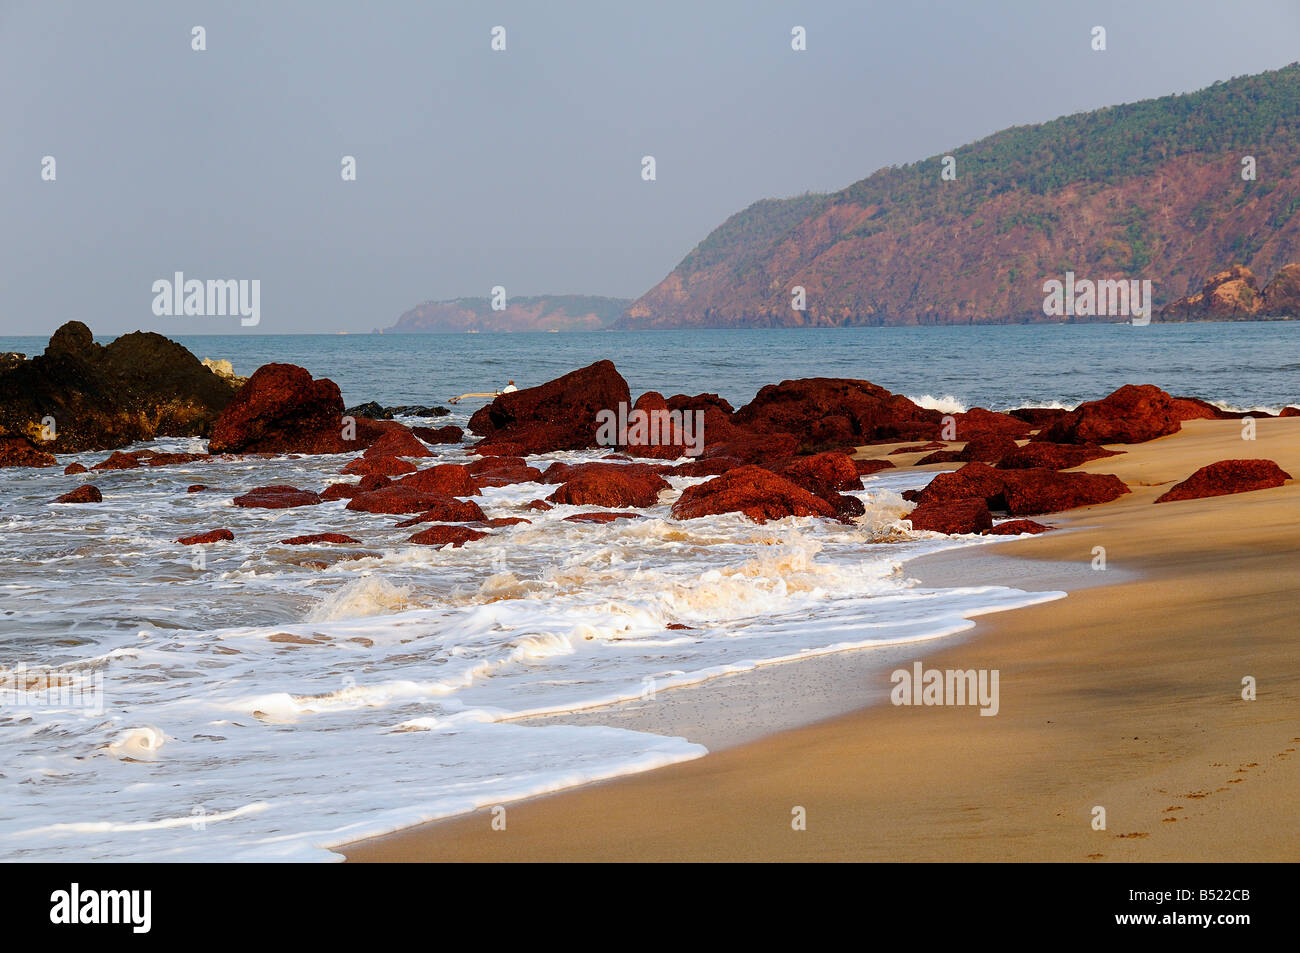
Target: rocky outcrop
{"points": [[283, 410], [87, 493], [397, 442], [1135, 413], [314, 539], [80, 395], [279, 497], [958, 516], [1231, 293], [448, 479], [382, 466], [1226, 477], [600, 517], [1052, 456], [19, 452], [448, 434], [610, 485], [1022, 492], [455, 536], [447, 510], [503, 471], [986, 447], [211, 536], [759, 494], [558, 415], [834, 413]]}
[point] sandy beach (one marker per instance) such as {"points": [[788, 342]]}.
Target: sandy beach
{"points": [[1125, 695]]}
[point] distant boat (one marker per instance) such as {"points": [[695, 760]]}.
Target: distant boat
{"points": [[472, 331], [552, 330]]}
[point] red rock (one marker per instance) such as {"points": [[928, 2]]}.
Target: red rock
{"points": [[502, 449], [1132, 414], [87, 493], [978, 421], [1053, 456], [920, 448], [1017, 528], [1038, 417], [1050, 491], [659, 435], [834, 412], [558, 415], [600, 517], [318, 538], [868, 467], [21, 452], [277, 497], [282, 410], [831, 469], [559, 472], [498, 521], [457, 536], [538, 505], [988, 447], [339, 491], [610, 485], [447, 479], [700, 402], [1290, 412], [959, 516], [195, 488], [1225, 477], [502, 471], [73, 468], [752, 447], [447, 510], [1023, 492], [759, 494], [395, 499], [118, 460], [1193, 408], [386, 466], [397, 443], [712, 466], [448, 434], [211, 536], [940, 456]]}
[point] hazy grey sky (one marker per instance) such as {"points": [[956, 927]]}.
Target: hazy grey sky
{"points": [[519, 168]]}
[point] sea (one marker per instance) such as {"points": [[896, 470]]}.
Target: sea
{"points": [[252, 700]]}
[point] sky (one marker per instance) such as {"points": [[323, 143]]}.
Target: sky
{"points": [[520, 168]]}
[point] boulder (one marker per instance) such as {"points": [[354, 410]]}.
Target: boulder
{"points": [[72, 468], [139, 387], [447, 479], [315, 538], [1038, 417], [195, 488], [279, 497], [456, 536], [382, 466], [1290, 412], [447, 510], [20, 452], [977, 421], [1023, 492], [832, 469], [759, 494], [700, 402], [610, 485], [1017, 528], [1226, 477], [448, 434], [395, 499], [87, 493], [540, 505], [283, 410], [211, 536], [118, 460], [868, 467], [1053, 456], [503, 471], [1193, 408], [829, 413], [959, 516], [558, 415], [600, 517], [397, 443], [1135, 413]]}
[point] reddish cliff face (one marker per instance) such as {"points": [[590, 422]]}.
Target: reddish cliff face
{"points": [[1151, 190]]}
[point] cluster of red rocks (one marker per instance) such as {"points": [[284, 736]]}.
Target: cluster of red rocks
{"points": [[789, 452]]}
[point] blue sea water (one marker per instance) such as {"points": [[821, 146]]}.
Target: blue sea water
{"points": [[1242, 364]]}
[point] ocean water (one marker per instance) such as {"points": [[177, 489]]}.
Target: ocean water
{"points": [[255, 701]]}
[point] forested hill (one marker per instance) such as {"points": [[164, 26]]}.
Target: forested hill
{"points": [[1152, 189]]}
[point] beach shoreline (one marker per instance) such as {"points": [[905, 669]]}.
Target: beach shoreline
{"points": [[1124, 696]]}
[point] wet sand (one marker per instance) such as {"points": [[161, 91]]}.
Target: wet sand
{"points": [[1125, 696]]}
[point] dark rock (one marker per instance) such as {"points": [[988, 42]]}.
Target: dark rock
{"points": [[1053, 456], [759, 494], [958, 516], [448, 434], [610, 485], [447, 479], [1135, 413], [600, 517], [318, 538], [19, 452], [558, 415], [1017, 528], [283, 410], [447, 510], [457, 536]]}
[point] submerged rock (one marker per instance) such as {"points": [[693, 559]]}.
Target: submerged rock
{"points": [[211, 536], [88, 493], [278, 497]]}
